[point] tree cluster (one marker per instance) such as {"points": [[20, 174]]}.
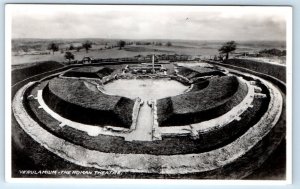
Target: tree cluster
{"points": [[87, 45], [227, 48], [121, 44], [69, 56], [53, 47], [168, 44]]}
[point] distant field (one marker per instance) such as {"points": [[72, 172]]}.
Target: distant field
{"points": [[181, 47], [128, 51]]}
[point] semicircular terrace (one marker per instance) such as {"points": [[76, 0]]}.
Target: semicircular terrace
{"points": [[79, 101], [218, 161], [220, 96], [115, 142]]}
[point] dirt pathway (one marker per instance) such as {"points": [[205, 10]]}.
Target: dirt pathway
{"points": [[143, 131]]}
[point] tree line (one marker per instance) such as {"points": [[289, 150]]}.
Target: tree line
{"points": [[86, 45], [225, 49]]}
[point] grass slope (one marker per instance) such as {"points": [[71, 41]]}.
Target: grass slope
{"points": [[73, 100], [23, 72], [217, 98], [194, 72], [89, 72], [278, 71]]}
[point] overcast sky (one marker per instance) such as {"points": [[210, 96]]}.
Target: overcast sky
{"points": [[148, 22]]}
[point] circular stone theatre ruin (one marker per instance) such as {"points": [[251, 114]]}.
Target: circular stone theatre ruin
{"points": [[167, 120]]}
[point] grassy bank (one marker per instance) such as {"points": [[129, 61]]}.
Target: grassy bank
{"points": [[194, 72], [74, 100], [277, 71], [221, 94], [89, 72], [22, 72]]}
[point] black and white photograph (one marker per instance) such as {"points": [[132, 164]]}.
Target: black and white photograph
{"points": [[200, 93]]}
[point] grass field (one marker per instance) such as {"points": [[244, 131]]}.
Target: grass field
{"points": [[181, 47]]}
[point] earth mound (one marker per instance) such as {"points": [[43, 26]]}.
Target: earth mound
{"points": [[220, 96], [194, 72], [89, 72], [75, 100]]}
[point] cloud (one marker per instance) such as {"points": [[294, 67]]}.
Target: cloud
{"points": [[140, 22]]}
